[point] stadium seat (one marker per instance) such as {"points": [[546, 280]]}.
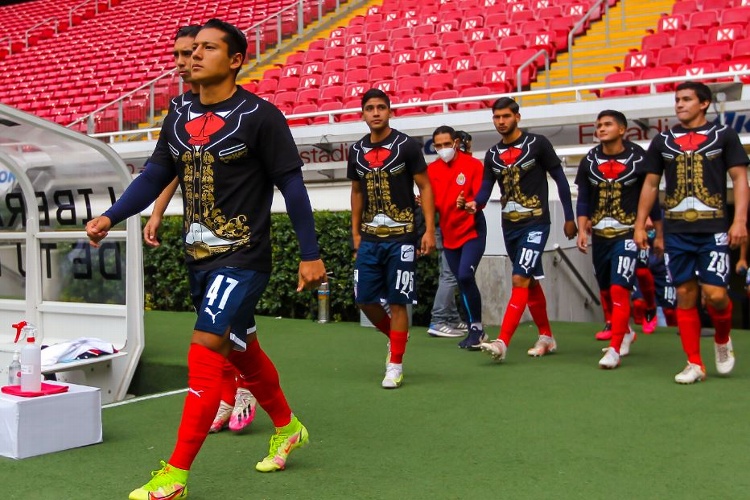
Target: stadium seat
{"points": [[407, 69], [739, 15], [638, 61], [484, 47], [472, 35], [695, 69], [735, 67], [287, 98], [299, 109], [492, 60], [355, 90], [512, 43], [499, 80], [378, 47], [670, 24], [267, 86], [378, 60], [313, 68], [439, 96], [459, 49], [436, 66], [334, 66], [288, 83], [465, 79], [462, 63], [438, 81], [331, 94], [673, 57], [409, 84], [621, 76], [404, 57], [360, 75], [741, 49], [712, 53], [474, 92], [308, 96], [656, 42], [726, 33], [429, 54], [688, 38], [387, 86], [652, 74], [378, 73], [328, 106]]}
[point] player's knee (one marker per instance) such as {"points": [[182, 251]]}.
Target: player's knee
{"points": [[716, 297], [521, 281]]}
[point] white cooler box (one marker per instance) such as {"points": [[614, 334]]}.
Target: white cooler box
{"points": [[45, 424]]}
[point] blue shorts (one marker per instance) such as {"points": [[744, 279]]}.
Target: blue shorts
{"points": [[706, 255], [525, 247], [643, 256], [225, 298], [385, 270], [614, 263]]}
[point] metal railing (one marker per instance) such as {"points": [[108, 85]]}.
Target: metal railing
{"points": [[581, 22], [167, 79], [564, 258], [96, 8], [37, 25], [532, 60]]}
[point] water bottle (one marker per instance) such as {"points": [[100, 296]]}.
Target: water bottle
{"points": [[14, 370], [324, 303], [31, 361]]}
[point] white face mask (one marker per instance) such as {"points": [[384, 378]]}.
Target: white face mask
{"points": [[446, 154]]}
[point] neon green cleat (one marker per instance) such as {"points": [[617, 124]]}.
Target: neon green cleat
{"points": [[167, 483], [287, 438]]}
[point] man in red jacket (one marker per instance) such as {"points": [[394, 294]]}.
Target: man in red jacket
{"points": [[456, 177]]}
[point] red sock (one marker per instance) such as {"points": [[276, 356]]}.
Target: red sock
{"points": [[398, 346], [228, 383], [646, 286], [519, 297], [620, 315], [384, 325], [689, 324], [204, 394], [671, 316], [538, 309], [606, 305], [639, 311], [263, 381], [722, 322]]}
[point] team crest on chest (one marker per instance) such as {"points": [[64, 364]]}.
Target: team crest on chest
{"points": [[461, 179]]}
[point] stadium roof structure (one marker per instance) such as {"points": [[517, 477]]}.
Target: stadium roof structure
{"points": [[52, 181]]}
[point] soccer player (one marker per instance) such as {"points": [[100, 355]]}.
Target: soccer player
{"points": [[609, 181], [520, 162], [695, 156], [237, 407], [384, 166], [228, 148], [456, 177]]}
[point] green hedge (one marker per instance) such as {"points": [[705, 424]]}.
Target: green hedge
{"points": [[167, 289]]}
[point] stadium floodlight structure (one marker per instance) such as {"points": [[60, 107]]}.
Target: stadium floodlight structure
{"points": [[52, 181]]}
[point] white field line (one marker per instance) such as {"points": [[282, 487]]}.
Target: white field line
{"points": [[145, 398]]}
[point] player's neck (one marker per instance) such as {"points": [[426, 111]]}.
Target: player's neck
{"points": [[195, 89], [380, 135], [696, 122], [512, 137], [613, 148], [218, 92]]}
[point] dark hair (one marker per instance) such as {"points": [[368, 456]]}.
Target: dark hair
{"points": [[618, 116], [188, 31], [444, 129], [464, 139], [701, 90], [375, 94], [505, 102], [234, 38]]}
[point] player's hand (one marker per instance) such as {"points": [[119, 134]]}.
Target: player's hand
{"points": [[311, 274], [97, 229], [461, 201], [570, 229], [583, 241], [640, 237], [151, 230], [741, 267], [428, 243], [737, 235], [471, 207]]}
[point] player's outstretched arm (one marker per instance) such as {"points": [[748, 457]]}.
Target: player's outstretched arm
{"points": [[738, 229], [649, 194], [151, 229], [357, 202], [563, 190]]}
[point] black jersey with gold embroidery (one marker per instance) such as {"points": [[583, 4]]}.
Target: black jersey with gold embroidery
{"points": [[613, 184], [521, 172], [385, 170], [225, 156], [694, 163]]}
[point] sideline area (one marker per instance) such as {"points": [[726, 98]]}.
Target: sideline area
{"points": [[460, 427]]}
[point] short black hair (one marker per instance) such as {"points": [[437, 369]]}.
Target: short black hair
{"points": [[375, 94], [505, 103], [702, 91], [234, 38], [617, 115], [444, 129], [188, 31]]}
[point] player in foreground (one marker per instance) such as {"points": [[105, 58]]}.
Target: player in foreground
{"points": [[695, 156], [228, 149]]}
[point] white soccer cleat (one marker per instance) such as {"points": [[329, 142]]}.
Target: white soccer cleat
{"points": [[691, 374], [724, 357], [394, 376], [628, 339], [496, 349], [222, 417], [544, 345], [610, 360]]}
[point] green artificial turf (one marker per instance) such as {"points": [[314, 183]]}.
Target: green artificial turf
{"points": [[461, 427]]}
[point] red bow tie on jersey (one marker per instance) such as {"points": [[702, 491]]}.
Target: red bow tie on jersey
{"points": [[201, 128], [610, 169], [510, 155], [690, 141], [377, 156]]}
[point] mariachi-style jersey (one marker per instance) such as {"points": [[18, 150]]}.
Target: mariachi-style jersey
{"points": [[613, 184], [694, 163], [521, 172], [225, 156], [462, 175], [385, 171]]}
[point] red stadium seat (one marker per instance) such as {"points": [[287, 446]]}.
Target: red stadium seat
{"points": [[299, 109], [512, 43], [484, 47], [378, 60], [655, 42], [727, 33], [423, 41], [308, 96], [499, 80], [288, 83], [492, 60], [387, 86], [466, 79], [736, 67], [356, 62], [740, 15], [439, 81], [695, 69], [622, 76], [328, 106], [331, 94], [638, 61], [436, 66], [652, 74], [378, 73], [404, 57], [429, 54], [355, 90], [463, 63], [473, 35], [407, 69], [703, 19], [670, 24], [360, 75], [291, 70], [267, 86], [688, 38], [741, 49], [673, 57], [313, 68], [334, 66], [712, 52], [459, 49]]}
